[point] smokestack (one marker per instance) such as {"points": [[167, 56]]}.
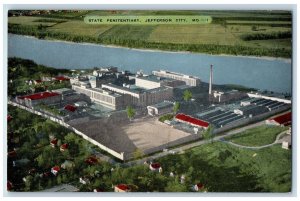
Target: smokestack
{"points": [[210, 80]]}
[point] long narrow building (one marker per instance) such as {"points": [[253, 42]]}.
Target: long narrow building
{"points": [[188, 79]]}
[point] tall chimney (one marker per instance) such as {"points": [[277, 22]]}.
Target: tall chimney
{"points": [[210, 80]]}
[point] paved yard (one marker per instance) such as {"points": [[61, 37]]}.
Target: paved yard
{"points": [[140, 134], [149, 133]]}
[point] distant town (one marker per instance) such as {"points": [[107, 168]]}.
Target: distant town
{"points": [[133, 118]]}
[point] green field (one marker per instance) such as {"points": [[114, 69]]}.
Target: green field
{"points": [[258, 136], [224, 168], [225, 30]]}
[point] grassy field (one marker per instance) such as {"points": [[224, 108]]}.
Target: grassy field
{"points": [[226, 28], [258, 136], [224, 168], [80, 28], [27, 20]]}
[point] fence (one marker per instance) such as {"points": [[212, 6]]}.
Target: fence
{"points": [[61, 122]]}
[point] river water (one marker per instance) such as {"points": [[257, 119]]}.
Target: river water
{"points": [[261, 73]]}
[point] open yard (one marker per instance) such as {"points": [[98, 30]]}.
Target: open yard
{"points": [[149, 133], [258, 136], [141, 134]]}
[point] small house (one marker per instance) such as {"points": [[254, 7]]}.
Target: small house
{"points": [[84, 180], [53, 142], [197, 187], [55, 170], [286, 145], [122, 188], [155, 167], [64, 147]]}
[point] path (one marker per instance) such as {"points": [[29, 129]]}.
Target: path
{"points": [[277, 141]]}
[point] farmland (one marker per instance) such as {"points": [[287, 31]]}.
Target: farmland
{"points": [[222, 36]]}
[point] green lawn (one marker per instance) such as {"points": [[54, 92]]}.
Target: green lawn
{"points": [[225, 168], [258, 136]]}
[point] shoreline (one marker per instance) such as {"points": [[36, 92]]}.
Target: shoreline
{"points": [[287, 60]]}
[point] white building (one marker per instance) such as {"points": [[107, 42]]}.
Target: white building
{"points": [[160, 108], [189, 80], [108, 98]]}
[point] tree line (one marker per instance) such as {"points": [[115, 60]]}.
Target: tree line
{"points": [[267, 36]]}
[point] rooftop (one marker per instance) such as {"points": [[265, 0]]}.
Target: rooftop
{"points": [[192, 120], [175, 73], [61, 78], [70, 108], [162, 105], [283, 119], [41, 95], [123, 187], [154, 78], [122, 88], [108, 92]]}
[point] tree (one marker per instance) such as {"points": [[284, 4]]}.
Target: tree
{"points": [[176, 107], [130, 112], [187, 95], [208, 134]]}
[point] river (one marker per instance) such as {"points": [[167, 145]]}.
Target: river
{"points": [[261, 73]]}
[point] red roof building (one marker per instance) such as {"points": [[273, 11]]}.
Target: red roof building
{"points": [[55, 170], [63, 147], [9, 186], [38, 81], [91, 160], [61, 78], [122, 188], [191, 120], [70, 108], [53, 142], [198, 187], [96, 190], [12, 154], [9, 118], [39, 96], [282, 120], [155, 167]]}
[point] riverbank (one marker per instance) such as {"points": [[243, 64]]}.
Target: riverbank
{"points": [[287, 60], [140, 43]]}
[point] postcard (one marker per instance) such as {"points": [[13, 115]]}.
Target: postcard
{"points": [[194, 101]]}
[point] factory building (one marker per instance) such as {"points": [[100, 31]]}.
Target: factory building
{"points": [[142, 97], [160, 108], [153, 81], [221, 97], [189, 80], [281, 120], [108, 98], [39, 98]]}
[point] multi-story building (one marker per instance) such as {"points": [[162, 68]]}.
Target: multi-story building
{"points": [[143, 97], [153, 81], [108, 98], [189, 80], [39, 98]]}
